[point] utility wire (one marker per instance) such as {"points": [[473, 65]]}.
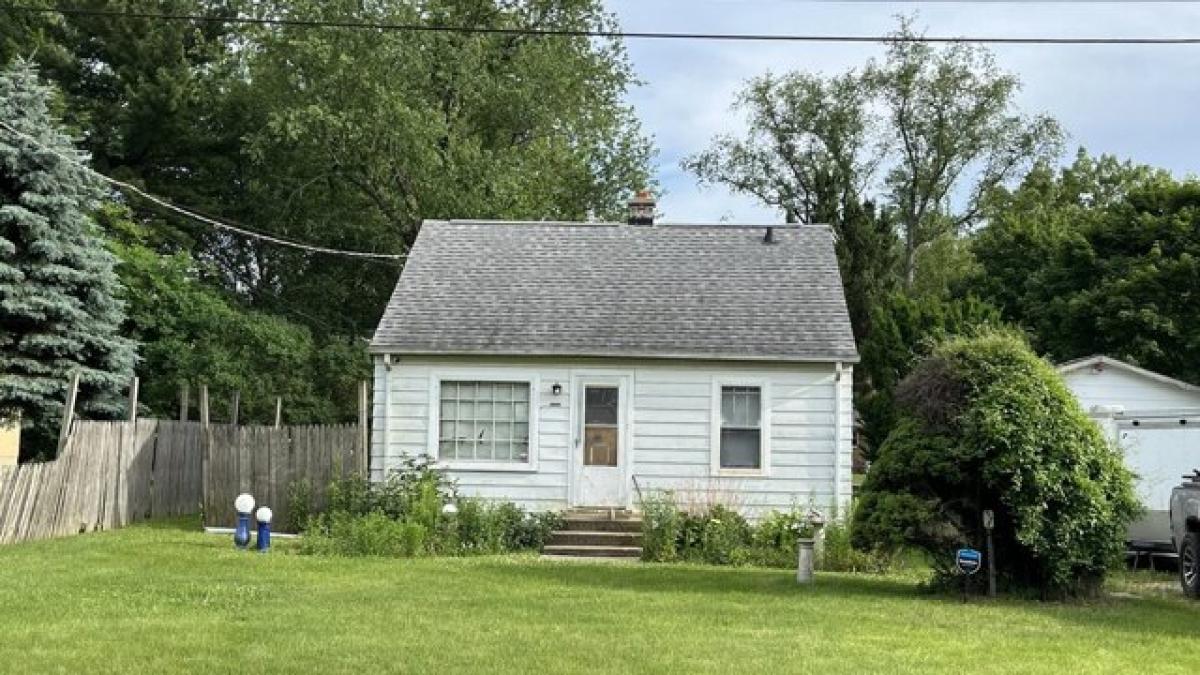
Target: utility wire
{"points": [[196, 216], [628, 35]]}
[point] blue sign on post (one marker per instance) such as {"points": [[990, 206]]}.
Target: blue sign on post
{"points": [[968, 560]]}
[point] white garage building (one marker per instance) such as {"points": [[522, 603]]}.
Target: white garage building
{"points": [[1156, 421]]}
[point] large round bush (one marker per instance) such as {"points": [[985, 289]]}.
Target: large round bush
{"points": [[986, 424]]}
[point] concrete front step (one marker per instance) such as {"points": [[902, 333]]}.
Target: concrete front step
{"points": [[595, 538], [580, 551], [578, 523]]}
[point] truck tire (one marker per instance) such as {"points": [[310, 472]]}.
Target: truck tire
{"points": [[1189, 564]]}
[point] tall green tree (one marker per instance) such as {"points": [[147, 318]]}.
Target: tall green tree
{"points": [[368, 132], [347, 138], [927, 132], [811, 151], [59, 296], [192, 332], [905, 329], [1102, 256], [953, 128]]}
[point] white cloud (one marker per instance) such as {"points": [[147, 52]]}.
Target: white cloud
{"points": [[1133, 101]]}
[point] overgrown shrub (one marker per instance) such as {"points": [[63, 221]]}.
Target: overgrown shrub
{"points": [[405, 516], [777, 536], [719, 535], [416, 490], [299, 505], [724, 537], [838, 554], [373, 534], [661, 527], [985, 424]]}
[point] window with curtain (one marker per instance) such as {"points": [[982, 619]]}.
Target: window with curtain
{"points": [[484, 422], [741, 428]]}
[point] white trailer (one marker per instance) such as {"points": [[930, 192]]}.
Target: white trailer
{"points": [[1155, 420]]}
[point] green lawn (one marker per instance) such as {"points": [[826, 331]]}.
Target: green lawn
{"points": [[164, 599]]}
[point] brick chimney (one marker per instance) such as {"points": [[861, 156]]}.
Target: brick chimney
{"points": [[641, 208]]}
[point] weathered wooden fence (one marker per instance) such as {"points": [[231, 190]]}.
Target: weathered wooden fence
{"points": [[268, 461], [111, 474]]}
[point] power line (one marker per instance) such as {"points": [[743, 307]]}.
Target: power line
{"points": [[196, 216], [628, 35]]}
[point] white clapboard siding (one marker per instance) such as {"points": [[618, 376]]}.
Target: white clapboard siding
{"points": [[671, 429]]}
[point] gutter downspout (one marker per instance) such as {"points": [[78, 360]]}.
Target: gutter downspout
{"points": [[837, 440], [381, 456]]}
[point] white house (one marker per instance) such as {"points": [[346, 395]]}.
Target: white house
{"points": [[563, 365], [1155, 420]]}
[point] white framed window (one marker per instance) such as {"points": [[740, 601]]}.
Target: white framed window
{"points": [[741, 428], [484, 421]]}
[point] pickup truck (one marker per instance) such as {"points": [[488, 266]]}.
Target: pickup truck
{"points": [[1185, 532]]}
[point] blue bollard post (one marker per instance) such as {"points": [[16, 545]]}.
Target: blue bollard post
{"points": [[264, 529], [244, 504]]}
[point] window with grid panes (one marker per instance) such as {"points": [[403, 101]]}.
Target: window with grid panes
{"points": [[484, 422], [741, 428]]}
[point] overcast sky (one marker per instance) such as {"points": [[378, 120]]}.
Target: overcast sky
{"points": [[1137, 102]]}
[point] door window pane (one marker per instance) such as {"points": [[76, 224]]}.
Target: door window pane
{"points": [[600, 405], [601, 434]]}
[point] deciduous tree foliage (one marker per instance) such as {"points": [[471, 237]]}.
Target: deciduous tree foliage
{"points": [[1099, 257], [985, 424], [366, 133], [811, 151], [59, 305], [953, 126], [346, 138], [193, 333], [343, 138], [926, 132]]}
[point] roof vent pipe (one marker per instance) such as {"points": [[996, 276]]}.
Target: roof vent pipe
{"points": [[641, 208], [769, 237]]}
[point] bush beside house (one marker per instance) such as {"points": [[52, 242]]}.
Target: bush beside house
{"points": [[719, 535], [407, 515], [985, 424]]}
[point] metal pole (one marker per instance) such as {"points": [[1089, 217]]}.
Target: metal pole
{"points": [[363, 429], [991, 554], [989, 522]]}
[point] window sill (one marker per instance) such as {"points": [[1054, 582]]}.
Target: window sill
{"points": [[494, 467], [741, 473]]}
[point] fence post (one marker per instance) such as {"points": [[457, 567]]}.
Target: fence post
{"points": [[234, 407], [68, 412], [183, 402], [278, 411], [364, 439], [133, 398], [204, 405]]}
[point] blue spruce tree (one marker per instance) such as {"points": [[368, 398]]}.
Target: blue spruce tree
{"points": [[60, 306]]}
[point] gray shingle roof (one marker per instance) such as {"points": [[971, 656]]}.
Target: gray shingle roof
{"points": [[668, 291]]}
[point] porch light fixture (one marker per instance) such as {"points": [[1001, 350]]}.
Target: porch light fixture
{"points": [[556, 389]]}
